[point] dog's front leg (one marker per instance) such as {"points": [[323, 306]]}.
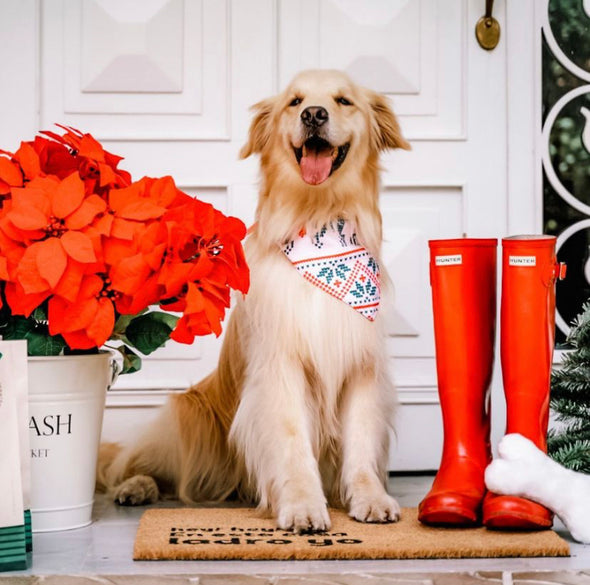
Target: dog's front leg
{"points": [[365, 441], [273, 429]]}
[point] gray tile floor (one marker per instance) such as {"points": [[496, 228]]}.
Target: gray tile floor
{"points": [[105, 548]]}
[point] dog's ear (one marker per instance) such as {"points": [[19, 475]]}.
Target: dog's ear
{"points": [[386, 132], [260, 130]]}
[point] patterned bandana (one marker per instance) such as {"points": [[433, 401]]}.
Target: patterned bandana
{"points": [[334, 261]]}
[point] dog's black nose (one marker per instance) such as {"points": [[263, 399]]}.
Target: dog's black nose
{"points": [[314, 116]]}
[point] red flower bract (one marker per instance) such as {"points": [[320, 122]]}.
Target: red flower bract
{"points": [[77, 234], [187, 262]]}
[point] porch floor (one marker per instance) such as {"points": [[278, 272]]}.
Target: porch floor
{"points": [[102, 553]]}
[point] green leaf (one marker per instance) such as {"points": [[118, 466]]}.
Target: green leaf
{"points": [[150, 331], [122, 323], [168, 318], [40, 343], [131, 361], [17, 328], [40, 314]]}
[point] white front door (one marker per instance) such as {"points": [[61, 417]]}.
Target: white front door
{"points": [[167, 84]]}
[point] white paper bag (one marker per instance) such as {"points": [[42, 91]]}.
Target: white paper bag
{"points": [[20, 380], [12, 524]]}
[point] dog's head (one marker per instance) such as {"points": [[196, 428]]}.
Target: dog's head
{"points": [[322, 125]]}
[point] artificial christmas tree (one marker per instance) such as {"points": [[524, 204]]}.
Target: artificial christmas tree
{"points": [[569, 443]]}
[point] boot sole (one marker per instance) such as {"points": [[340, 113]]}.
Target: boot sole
{"points": [[450, 517], [504, 521]]}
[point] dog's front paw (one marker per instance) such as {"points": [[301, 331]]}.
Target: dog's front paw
{"points": [[304, 516], [374, 508], [137, 490]]}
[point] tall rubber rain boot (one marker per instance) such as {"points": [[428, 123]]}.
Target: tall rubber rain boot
{"points": [[529, 272], [463, 281]]}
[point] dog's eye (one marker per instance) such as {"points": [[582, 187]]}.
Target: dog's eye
{"points": [[295, 101], [342, 101]]}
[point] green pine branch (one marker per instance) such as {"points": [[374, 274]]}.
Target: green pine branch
{"points": [[566, 409], [572, 372], [570, 399], [575, 430], [574, 455], [572, 384], [580, 356], [580, 332]]}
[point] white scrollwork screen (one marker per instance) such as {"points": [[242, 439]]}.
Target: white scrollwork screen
{"points": [[566, 148]]}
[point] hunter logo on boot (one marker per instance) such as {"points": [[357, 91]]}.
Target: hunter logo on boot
{"points": [[522, 260], [452, 260]]}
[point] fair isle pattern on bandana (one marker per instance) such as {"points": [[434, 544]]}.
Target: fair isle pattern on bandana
{"points": [[335, 261]]}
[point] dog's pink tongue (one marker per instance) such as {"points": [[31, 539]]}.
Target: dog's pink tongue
{"points": [[316, 167]]}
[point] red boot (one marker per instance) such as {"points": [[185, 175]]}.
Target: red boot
{"points": [[463, 280], [529, 272]]}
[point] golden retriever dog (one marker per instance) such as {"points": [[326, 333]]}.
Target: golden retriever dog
{"points": [[298, 412]]}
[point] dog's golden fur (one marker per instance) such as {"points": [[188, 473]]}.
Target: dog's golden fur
{"points": [[298, 410]]}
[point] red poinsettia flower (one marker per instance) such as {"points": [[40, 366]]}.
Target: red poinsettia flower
{"points": [[30, 163], [82, 242], [203, 308], [51, 216], [10, 175], [96, 166], [89, 320], [200, 269], [129, 208], [22, 303], [185, 263]]}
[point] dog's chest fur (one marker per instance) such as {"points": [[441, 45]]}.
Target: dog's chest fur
{"points": [[325, 338]]}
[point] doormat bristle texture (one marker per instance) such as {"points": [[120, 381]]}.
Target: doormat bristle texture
{"points": [[242, 533]]}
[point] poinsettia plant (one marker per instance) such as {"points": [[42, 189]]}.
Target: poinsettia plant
{"points": [[86, 252]]}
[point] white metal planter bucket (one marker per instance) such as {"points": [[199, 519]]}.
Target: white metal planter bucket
{"points": [[66, 403]]}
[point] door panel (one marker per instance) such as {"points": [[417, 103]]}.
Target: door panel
{"points": [[180, 107]]}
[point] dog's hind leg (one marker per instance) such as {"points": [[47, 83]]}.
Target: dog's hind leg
{"points": [[134, 475], [365, 412], [183, 453]]}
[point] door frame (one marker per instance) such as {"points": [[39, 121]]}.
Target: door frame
{"points": [[523, 67]]}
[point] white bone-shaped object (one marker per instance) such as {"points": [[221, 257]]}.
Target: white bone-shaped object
{"points": [[524, 470]]}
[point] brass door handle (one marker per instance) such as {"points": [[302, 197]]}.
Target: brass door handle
{"points": [[487, 29]]}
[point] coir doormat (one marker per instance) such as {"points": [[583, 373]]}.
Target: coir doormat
{"points": [[242, 533]]}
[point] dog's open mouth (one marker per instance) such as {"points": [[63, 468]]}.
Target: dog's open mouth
{"points": [[318, 159]]}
